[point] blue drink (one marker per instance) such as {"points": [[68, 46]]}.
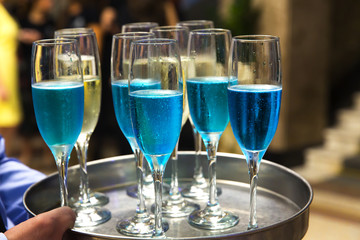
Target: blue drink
{"points": [[254, 114], [120, 92], [156, 116], [208, 104], [59, 111]]}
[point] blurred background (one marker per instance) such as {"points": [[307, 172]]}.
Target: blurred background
{"points": [[319, 129]]}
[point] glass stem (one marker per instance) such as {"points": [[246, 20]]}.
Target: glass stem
{"points": [[253, 165], [158, 180], [139, 161], [148, 178], [211, 149], [81, 149], [198, 178], [62, 165], [174, 186]]}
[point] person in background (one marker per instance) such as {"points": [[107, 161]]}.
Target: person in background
{"points": [[15, 178], [82, 13], [76, 17], [10, 105], [107, 135], [114, 14]]}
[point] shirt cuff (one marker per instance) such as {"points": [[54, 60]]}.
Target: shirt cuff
{"points": [[3, 237]]}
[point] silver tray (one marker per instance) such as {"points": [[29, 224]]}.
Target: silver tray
{"points": [[283, 198]]}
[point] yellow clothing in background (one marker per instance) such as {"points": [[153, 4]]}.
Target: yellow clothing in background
{"points": [[10, 108]]}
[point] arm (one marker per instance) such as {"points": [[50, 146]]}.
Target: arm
{"points": [[45, 226], [15, 178], [170, 13]]}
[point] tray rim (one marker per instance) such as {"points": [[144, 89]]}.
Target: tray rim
{"points": [[300, 212]]}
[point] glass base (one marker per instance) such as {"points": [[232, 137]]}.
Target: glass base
{"points": [[213, 218], [148, 191], [141, 225], [91, 216], [252, 227], [198, 192], [96, 199], [175, 208]]}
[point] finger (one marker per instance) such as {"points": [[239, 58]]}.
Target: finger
{"points": [[66, 216]]}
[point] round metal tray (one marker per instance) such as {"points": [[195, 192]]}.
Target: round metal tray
{"points": [[283, 198]]}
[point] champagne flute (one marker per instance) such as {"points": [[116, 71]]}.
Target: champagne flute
{"points": [[87, 213], [209, 111], [148, 187], [254, 100], [198, 188], [156, 100], [138, 27], [92, 83], [141, 224], [58, 98], [196, 24], [175, 205]]}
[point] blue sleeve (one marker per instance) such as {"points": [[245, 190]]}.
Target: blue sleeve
{"points": [[3, 237], [15, 178], [7, 223]]}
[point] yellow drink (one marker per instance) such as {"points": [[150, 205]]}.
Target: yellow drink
{"points": [[92, 102]]}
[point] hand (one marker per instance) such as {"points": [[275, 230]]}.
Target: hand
{"points": [[45, 226], [3, 93], [28, 35], [107, 19]]}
